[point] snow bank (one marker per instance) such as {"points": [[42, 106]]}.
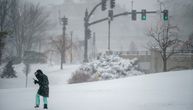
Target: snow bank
{"points": [[161, 91], [110, 67]]}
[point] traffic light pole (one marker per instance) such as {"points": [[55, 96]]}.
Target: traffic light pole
{"points": [[63, 45], [86, 28], [87, 24], [71, 33], [109, 32], [94, 45]]}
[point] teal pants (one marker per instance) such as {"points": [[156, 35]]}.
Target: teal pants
{"points": [[38, 100]]}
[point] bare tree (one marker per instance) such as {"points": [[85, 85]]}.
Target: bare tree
{"points": [[4, 15], [29, 24], [60, 46], [2, 43], [165, 39], [4, 22]]}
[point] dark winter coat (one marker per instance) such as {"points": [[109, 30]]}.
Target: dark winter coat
{"points": [[43, 83]]}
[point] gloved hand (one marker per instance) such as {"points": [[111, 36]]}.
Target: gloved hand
{"points": [[35, 81]]}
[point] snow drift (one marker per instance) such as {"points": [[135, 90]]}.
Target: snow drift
{"points": [[160, 91]]}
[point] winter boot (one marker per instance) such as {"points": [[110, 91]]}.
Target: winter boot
{"points": [[37, 106], [45, 106]]}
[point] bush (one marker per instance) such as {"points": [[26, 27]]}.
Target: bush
{"points": [[8, 71], [81, 76], [106, 67]]}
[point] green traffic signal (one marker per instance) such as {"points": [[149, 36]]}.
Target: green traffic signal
{"points": [[143, 14], [144, 18], [165, 17]]}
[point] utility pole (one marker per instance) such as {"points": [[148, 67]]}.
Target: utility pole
{"points": [[64, 39], [86, 18], [71, 33], [64, 21]]}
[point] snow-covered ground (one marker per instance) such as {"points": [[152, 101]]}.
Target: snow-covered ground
{"points": [[161, 91], [55, 75]]}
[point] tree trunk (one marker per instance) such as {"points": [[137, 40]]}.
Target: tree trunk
{"points": [[26, 81], [62, 60], [1, 48], [27, 70], [2, 36], [164, 65], [19, 53], [164, 60], [0, 55]]}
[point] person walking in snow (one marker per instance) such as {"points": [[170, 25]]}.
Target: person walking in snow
{"points": [[43, 88]]}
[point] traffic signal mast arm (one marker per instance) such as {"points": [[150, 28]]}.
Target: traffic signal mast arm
{"points": [[92, 11], [87, 23], [118, 15]]}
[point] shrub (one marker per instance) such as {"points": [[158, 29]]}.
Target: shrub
{"points": [[106, 67], [81, 76], [8, 71]]}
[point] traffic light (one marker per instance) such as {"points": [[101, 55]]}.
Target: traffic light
{"points": [[104, 5], [165, 17], [112, 3], [143, 14], [65, 20], [134, 15], [88, 34], [111, 14]]}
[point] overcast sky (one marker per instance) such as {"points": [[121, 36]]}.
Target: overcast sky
{"points": [[138, 4], [136, 30]]}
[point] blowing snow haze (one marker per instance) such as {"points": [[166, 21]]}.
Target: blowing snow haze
{"points": [[124, 31], [149, 65]]}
